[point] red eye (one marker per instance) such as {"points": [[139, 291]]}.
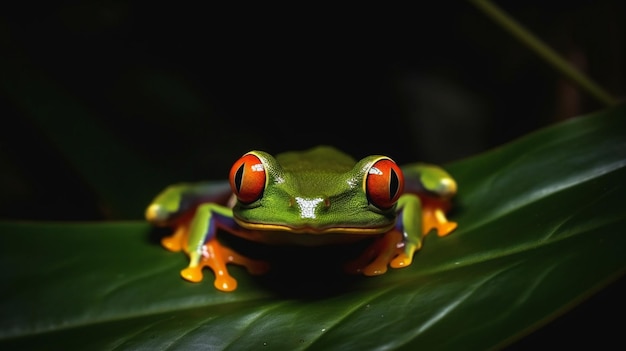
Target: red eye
{"points": [[384, 183], [247, 178]]}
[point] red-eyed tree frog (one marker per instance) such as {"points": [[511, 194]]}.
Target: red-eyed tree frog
{"points": [[315, 197]]}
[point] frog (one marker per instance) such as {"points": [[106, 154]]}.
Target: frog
{"points": [[314, 197]]}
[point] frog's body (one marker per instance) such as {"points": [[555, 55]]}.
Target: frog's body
{"points": [[316, 197]]}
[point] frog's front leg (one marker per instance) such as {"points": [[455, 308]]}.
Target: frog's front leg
{"points": [[396, 247], [205, 250], [409, 223]]}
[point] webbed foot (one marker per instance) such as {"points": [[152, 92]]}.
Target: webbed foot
{"points": [[177, 241], [434, 217], [192, 274], [216, 256], [388, 250]]}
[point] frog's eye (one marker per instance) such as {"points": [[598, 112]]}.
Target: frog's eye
{"points": [[247, 178], [384, 183]]}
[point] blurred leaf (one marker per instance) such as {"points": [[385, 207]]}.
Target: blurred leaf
{"points": [[540, 228]]}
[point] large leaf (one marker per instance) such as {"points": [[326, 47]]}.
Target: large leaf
{"points": [[540, 228]]}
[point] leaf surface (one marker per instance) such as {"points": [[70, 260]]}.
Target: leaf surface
{"points": [[540, 228]]}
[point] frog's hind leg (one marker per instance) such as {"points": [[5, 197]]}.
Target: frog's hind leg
{"points": [[164, 212], [435, 187], [434, 216], [178, 240]]}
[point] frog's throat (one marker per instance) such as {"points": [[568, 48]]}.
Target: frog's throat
{"points": [[314, 230]]}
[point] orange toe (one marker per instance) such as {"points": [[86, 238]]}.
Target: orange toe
{"points": [[192, 274]]}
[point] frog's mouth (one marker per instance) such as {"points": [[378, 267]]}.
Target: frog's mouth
{"points": [[308, 229], [306, 235]]}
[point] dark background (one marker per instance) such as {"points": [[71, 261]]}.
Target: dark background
{"points": [[183, 90], [186, 89]]}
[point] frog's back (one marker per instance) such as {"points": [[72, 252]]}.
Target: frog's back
{"points": [[325, 159]]}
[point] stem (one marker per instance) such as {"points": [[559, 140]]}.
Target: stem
{"points": [[544, 51]]}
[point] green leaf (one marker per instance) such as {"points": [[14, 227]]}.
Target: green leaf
{"points": [[540, 228]]}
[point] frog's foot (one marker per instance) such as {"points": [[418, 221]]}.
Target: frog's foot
{"points": [[254, 267], [387, 250], [192, 274], [434, 216], [216, 256], [405, 257], [177, 241]]}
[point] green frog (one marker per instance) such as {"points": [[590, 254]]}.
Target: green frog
{"points": [[315, 197]]}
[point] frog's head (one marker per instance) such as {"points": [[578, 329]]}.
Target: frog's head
{"points": [[311, 194]]}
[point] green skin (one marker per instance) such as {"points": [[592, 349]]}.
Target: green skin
{"points": [[315, 197]]}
